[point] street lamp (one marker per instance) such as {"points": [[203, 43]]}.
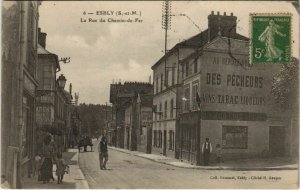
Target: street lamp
{"points": [[61, 81]]}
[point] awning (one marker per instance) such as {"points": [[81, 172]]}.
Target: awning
{"points": [[54, 130]]}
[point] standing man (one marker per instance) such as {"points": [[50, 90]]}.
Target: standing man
{"points": [[103, 153], [206, 150]]}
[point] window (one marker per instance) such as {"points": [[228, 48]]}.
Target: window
{"points": [[195, 66], [235, 137], [160, 111], [48, 77], [166, 108], [187, 68], [186, 101], [155, 138], [173, 76], [160, 139], [161, 82], [182, 70], [155, 114], [195, 87], [171, 140], [167, 79], [171, 108], [156, 85]]}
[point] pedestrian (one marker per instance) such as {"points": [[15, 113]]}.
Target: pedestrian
{"points": [[46, 161], [60, 168], [206, 150], [219, 153], [103, 152], [54, 153]]}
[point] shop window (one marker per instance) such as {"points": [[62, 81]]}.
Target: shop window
{"points": [[235, 137], [186, 101]]}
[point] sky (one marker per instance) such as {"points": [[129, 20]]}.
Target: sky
{"points": [[103, 53]]}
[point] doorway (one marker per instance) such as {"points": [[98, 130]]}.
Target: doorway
{"points": [[277, 140], [165, 143]]}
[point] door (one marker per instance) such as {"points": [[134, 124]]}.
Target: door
{"points": [[277, 140], [149, 140], [165, 143]]}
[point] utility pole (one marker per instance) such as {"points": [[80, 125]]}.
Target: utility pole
{"points": [[166, 25]]}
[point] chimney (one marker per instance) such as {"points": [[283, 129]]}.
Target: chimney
{"points": [[70, 89], [224, 25], [42, 38]]}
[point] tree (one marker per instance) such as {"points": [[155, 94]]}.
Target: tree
{"points": [[285, 87]]}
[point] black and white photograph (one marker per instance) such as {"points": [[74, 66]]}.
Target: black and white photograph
{"points": [[150, 94]]}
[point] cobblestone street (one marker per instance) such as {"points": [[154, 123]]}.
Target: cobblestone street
{"points": [[128, 171]]}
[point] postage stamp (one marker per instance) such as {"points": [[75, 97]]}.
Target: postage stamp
{"points": [[270, 36]]}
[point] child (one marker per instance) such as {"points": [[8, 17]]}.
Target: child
{"points": [[37, 165], [60, 167], [219, 153]]}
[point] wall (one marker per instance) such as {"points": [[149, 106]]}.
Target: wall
{"points": [[258, 137], [166, 94]]}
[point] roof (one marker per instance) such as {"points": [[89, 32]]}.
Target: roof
{"points": [[198, 41], [42, 51]]}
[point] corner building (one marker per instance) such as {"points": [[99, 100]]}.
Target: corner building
{"points": [[229, 101]]}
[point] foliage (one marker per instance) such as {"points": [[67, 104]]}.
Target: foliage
{"points": [[93, 118], [285, 87]]}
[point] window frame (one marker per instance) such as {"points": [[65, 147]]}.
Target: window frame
{"points": [[236, 143]]}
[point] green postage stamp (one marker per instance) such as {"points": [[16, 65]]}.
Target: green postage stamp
{"points": [[270, 36]]}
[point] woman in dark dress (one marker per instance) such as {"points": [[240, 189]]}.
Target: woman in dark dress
{"points": [[47, 164]]}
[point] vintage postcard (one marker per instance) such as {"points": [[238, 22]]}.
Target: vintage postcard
{"points": [[150, 95]]}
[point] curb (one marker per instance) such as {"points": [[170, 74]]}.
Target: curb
{"points": [[210, 168], [82, 183]]}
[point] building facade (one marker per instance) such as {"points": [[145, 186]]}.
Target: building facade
{"points": [[138, 123], [19, 83], [48, 66], [121, 98], [228, 100], [167, 82], [144, 125]]}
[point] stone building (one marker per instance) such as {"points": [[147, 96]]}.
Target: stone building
{"points": [[19, 83], [138, 123], [144, 126], [167, 79], [228, 100], [121, 97], [53, 103]]}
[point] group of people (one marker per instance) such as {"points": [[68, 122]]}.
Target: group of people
{"points": [[45, 159], [206, 150]]}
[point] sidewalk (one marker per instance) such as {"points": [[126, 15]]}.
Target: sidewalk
{"points": [[74, 180], [242, 164]]}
